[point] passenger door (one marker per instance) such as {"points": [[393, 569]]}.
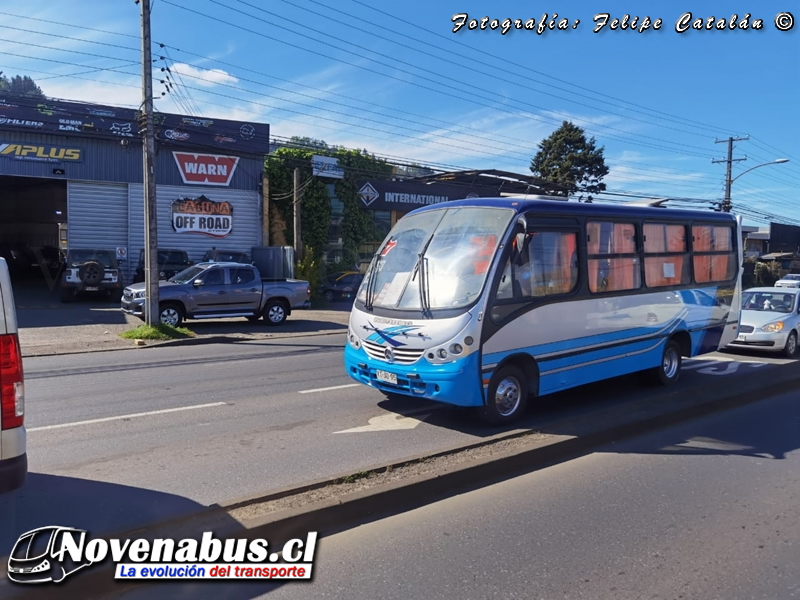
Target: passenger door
{"points": [[245, 290], [213, 294]]}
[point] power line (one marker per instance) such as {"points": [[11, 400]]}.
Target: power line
{"points": [[384, 74], [506, 61], [470, 66], [70, 25]]}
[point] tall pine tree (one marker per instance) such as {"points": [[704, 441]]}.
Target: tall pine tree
{"points": [[569, 159]]}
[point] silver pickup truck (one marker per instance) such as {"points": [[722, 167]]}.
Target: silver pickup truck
{"points": [[221, 290]]}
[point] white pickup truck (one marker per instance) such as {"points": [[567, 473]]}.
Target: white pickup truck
{"points": [[13, 449], [221, 290]]}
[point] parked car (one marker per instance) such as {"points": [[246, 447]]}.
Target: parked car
{"points": [[770, 320], [13, 450], [90, 270], [341, 286], [170, 262], [221, 290], [215, 255], [789, 281]]}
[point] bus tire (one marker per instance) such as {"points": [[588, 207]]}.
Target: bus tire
{"points": [[506, 397], [669, 371]]}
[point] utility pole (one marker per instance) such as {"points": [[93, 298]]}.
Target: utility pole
{"points": [[726, 203], [152, 316], [298, 241], [265, 224]]}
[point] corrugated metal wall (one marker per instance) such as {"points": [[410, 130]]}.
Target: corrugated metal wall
{"points": [[245, 234], [97, 215]]}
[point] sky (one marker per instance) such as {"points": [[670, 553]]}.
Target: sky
{"points": [[395, 79]]}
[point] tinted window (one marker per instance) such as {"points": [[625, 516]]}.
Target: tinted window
{"points": [[213, 277], [242, 275], [610, 270], [77, 257]]}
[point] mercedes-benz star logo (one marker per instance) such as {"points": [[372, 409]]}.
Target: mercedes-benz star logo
{"points": [[389, 355]]}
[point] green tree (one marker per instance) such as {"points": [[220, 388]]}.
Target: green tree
{"points": [[315, 203], [569, 159], [21, 86]]}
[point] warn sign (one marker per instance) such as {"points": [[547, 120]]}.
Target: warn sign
{"points": [[205, 169]]}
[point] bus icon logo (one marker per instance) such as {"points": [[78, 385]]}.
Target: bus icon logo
{"points": [[368, 194], [39, 556]]}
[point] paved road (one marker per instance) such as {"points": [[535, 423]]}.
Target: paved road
{"points": [[117, 439], [707, 510]]}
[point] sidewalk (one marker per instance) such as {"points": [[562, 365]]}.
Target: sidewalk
{"points": [[97, 329]]}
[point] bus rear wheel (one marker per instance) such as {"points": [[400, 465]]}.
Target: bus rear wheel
{"points": [[669, 371], [507, 396]]}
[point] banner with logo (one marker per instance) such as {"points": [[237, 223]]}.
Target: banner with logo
{"points": [[92, 120], [205, 169], [408, 195], [201, 215], [42, 153]]}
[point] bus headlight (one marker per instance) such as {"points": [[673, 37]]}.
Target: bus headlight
{"points": [[456, 349], [353, 340], [442, 353], [773, 327]]}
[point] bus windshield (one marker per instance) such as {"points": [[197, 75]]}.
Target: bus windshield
{"points": [[435, 260]]}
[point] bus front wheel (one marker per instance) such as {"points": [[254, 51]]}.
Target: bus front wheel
{"points": [[507, 396], [669, 370]]}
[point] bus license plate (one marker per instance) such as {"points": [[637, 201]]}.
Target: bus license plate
{"points": [[386, 377], [91, 289]]}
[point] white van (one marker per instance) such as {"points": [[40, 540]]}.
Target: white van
{"points": [[13, 452]]}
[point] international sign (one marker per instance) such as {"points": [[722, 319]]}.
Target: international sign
{"points": [[206, 169], [40, 153], [201, 215]]}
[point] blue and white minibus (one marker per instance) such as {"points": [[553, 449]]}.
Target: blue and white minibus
{"points": [[488, 302]]}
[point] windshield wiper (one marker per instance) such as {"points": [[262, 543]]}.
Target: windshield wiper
{"points": [[373, 276], [419, 269], [424, 291]]}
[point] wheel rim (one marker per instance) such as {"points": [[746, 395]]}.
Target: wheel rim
{"points": [[507, 396], [328, 296], [671, 360], [791, 344], [169, 316], [276, 314]]}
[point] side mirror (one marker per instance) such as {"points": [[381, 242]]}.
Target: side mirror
{"points": [[197, 282]]}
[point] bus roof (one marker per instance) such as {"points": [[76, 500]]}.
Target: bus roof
{"points": [[578, 209]]}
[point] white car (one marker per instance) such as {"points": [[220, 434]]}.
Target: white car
{"points": [[13, 450], [770, 320], [789, 281]]}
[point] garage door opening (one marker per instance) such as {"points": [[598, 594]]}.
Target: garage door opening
{"points": [[33, 229]]}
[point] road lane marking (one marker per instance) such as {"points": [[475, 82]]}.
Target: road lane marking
{"points": [[325, 389], [388, 423], [143, 414]]}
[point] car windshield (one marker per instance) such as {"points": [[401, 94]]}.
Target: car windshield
{"points": [[768, 301], [458, 245], [791, 278], [187, 275], [78, 257], [223, 256]]}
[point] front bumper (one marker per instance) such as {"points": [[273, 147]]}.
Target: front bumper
{"points": [[762, 340], [133, 307], [82, 287], [456, 383]]}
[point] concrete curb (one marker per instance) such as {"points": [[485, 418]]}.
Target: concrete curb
{"points": [[350, 509], [217, 339]]}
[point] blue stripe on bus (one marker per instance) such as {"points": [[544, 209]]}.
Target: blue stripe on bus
{"points": [[567, 346]]}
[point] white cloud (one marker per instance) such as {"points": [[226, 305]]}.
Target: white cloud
{"points": [[204, 77]]}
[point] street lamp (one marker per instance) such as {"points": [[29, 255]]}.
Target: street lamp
{"points": [[726, 204]]}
